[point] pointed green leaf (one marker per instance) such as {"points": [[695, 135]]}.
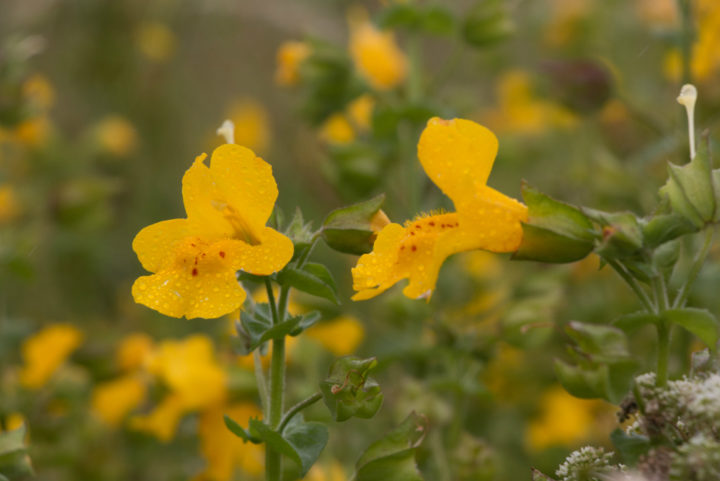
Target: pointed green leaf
{"points": [[630, 446], [238, 430], [604, 343], [666, 227], [700, 322], [312, 278], [307, 440], [583, 383], [349, 229]]}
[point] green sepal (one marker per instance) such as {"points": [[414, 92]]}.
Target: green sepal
{"points": [[665, 227], [700, 322], [630, 446], [622, 235], [300, 441], [349, 229], [555, 232], [239, 431], [348, 391], [313, 278], [692, 188], [392, 458], [300, 232]]}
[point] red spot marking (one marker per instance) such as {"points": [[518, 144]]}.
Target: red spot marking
{"points": [[412, 233], [419, 226], [194, 272], [222, 254], [402, 247], [414, 248], [203, 255], [196, 260], [432, 223], [193, 244]]}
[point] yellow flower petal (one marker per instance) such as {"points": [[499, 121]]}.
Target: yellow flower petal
{"points": [[153, 242], [46, 351], [113, 400], [374, 272], [162, 421], [269, 256], [457, 155], [247, 185], [200, 282], [377, 56], [204, 204], [133, 351], [289, 57]]}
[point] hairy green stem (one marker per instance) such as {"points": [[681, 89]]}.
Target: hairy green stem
{"points": [[308, 401], [684, 292], [261, 383]]}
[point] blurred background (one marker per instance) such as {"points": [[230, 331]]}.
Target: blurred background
{"points": [[105, 104]]}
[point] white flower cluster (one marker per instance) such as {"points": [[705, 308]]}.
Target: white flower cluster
{"points": [[698, 459], [587, 464]]}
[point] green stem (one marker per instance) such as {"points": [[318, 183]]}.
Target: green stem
{"points": [[273, 459], [309, 401], [639, 292], [682, 296], [305, 255], [663, 330], [686, 39], [261, 383]]}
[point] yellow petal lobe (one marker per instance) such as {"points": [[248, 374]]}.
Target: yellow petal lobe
{"points": [[153, 242]]}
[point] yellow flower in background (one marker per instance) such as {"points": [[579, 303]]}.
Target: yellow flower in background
{"points": [[337, 130], [162, 421], [375, 54], [155, 41], [190, 370], [13, 421], [44, 352], [194, 260], [519, 111], [566, 21], [9, 204], [705, 58], [566, 420], [113, 400], [252, 124], [330, 472], [116, 135], [39, 92], [360, 111], [340, 336], [457, 155], [223, 450], [33, 132], [289, 57], [134, 351]]}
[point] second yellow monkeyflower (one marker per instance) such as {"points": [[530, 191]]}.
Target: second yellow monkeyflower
{"points": [[457, 155], [194, 260]]}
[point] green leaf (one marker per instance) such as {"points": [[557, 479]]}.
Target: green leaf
{"points": [[588, 383], [692, 189], [14, 460], [437, 20], [392, 458], [253, 326], [307, 440], [630, 446], [312, 278], [666, 227], [700, 322], [238, 430], [400, 15], [486, 24], [348, 391], [349, 229], [603, 343], [555, 231], [631, 322], [299, 231]]}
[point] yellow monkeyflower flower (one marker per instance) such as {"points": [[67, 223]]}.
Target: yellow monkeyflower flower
{"points": [[337, 130], [252, 125], [162, 421], [133, 351], [194, 260], [565, 420], [340, 336], [189, 368], [289, 57], [222, 449], [39, 92], [46, 351], [9, 204], [376, 55], [360, 111], [112, 400], [457, 155], [116, 135]]}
